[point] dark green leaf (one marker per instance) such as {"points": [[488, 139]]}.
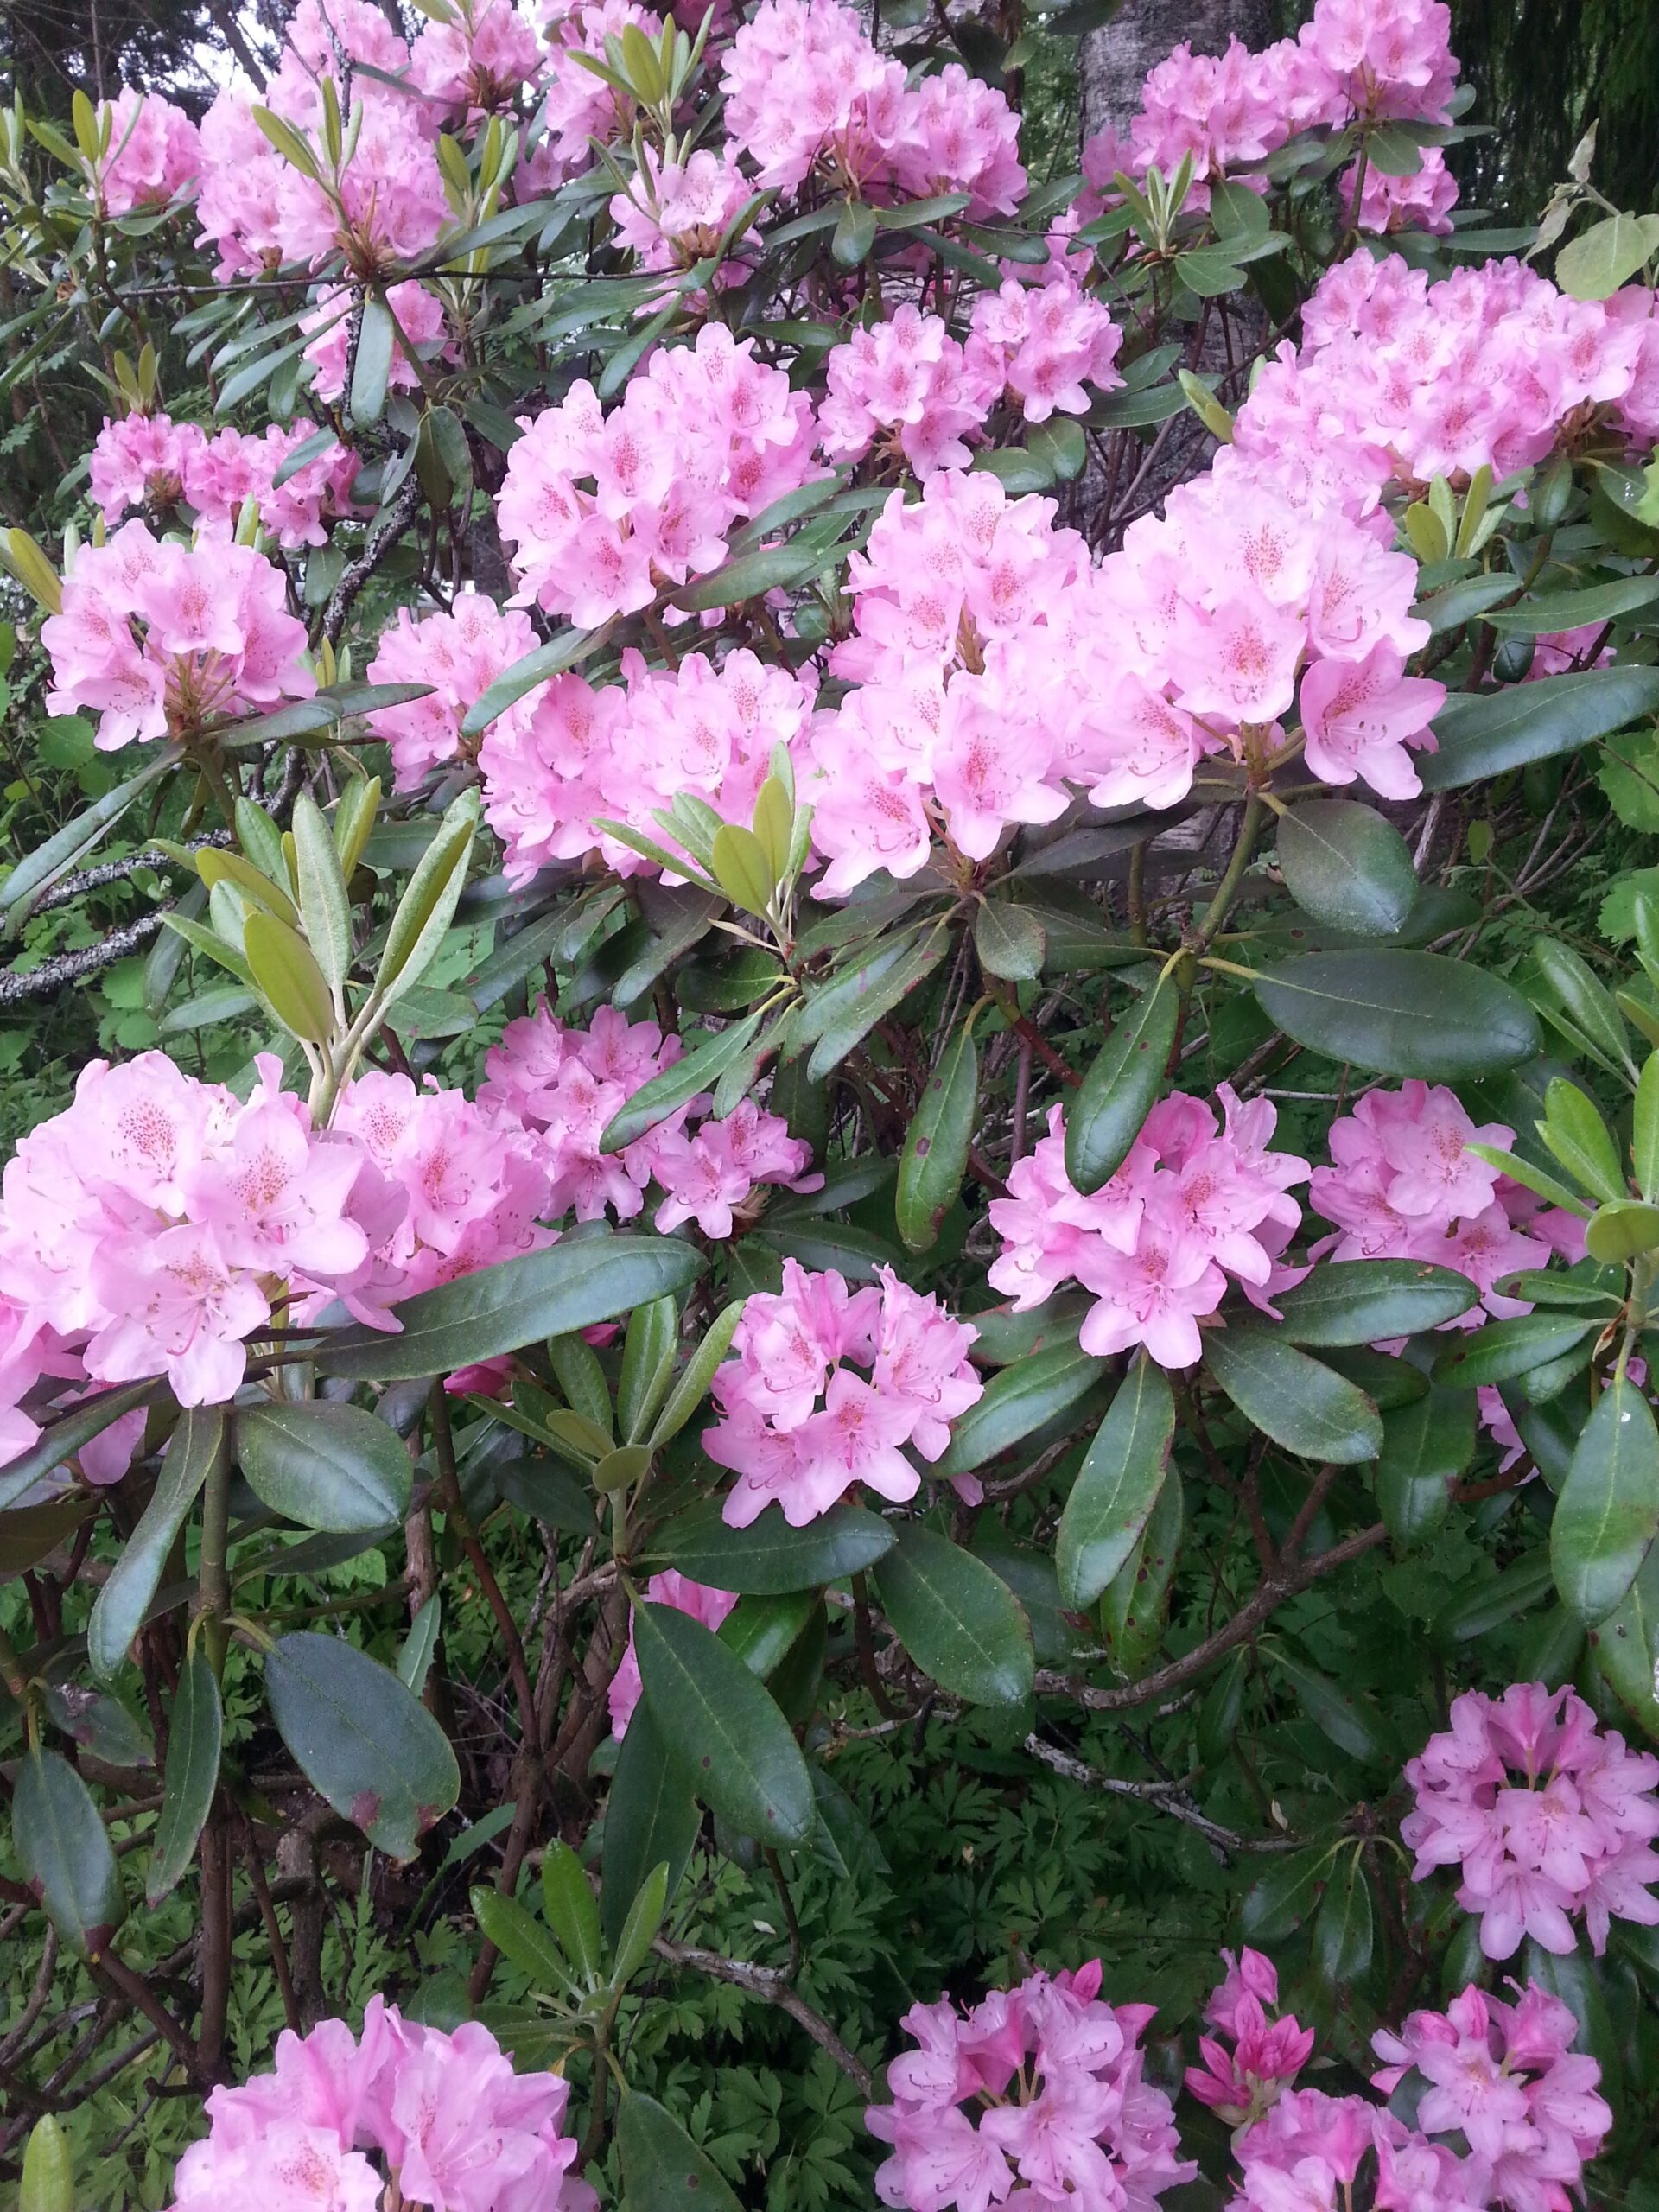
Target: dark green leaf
{"points": [[935, 1154], [662, 2170], [1483, 734], [1346, 867], [549, 660], [1117, 1485], [1607, 1514], [1283, 1895], [65, 1853], [957, 1620], [366, 1744], [1018, 1401], [769, 1559], [195, 1731], [1475, 1613], [1343, 1930], [724, 1728], [522, 1940], [376, 342], [1400, 1013], [1009, 941], [568, 1904], [651, 1817], [1361, 1301], [1103, 1120], [1133, 1610], [1501, 1350], [325, 1466], [703, 1065], [119, 1613], [1294, 1400], [1353, 1723], [1550, 612], [1425, 1444], [571, 1285], [1626, 1648], [59, 1443]]}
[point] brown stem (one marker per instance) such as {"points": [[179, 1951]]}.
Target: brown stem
{"points": [[771, 1984], [137, 1991], [273, 1929]]}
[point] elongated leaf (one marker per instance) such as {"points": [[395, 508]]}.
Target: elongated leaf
{"points": [[1292, 1399], [521, 1938], [1502, 1350], [65, 1853], [652, 1818], [332, 1467], [1483, 734], [935, 1154], [1472, 1614], [196, 1734], [1117, 1485], [363, 1741], [119, 1613], [288, 977], [1400, 1013], [1607, 255], [700, 1070], [690, 1391], [647, 1366], [1607, 1514], [1626, 1648], [662, 2170], [323, 903], [1136, 1600], [1425, 1445], [1284, 1895], [1344, 1930], [1017, 1402], [59, 1443], [1121, 1089], [842, 1014], [549, 660], [1361, 1301], [568, 1904], [420, 1645], [770, 1559], [48, 2182], [723, 1727], [39, 870], [1347, 866], [1584, 997], [1552, 612], [959, 1620], [571, 1285], [376, 343], [1009, 940], [1352, 1721]]}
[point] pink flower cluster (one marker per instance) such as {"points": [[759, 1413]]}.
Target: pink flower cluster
{"points": [[1209, 612], [1545, 1815], [705, 437], [155, 152], [1191, 1206], [563, 1086], [476, 60], [213, 635], [806, 90], [1404, 1185], [675, 213], [1356, 59], [570, 756], [258, 210], [669, 1588], [149, 461], [1267, 2054], [1505, 2078], [459, 654], [1398, 379], [1422, 201], [443, 2116], [1034, 2098], [1048, 340], [800, 1426], [578, 107], [420, 318]]}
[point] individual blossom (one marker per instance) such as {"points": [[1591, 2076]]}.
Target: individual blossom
{"points": [[827, 1386], [674, 214], [1035, 2097], [1547, 1817], [1194, 1204], [1267, 2054], [679, 1591], [458, 655], [161, 639], [155, 152]]}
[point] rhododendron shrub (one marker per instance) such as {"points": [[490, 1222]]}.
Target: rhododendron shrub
{"points": [[829, 1189]]}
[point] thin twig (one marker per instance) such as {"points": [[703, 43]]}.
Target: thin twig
{"points": [[773, 1986]]}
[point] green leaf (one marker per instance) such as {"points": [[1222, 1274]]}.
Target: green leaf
{"points": [[1342, 1932], [376, 342], [420, 1645], [1117, 1485], [568, 1904], [689, 1392], [935, 1156], [1645, 1140], [700, 1070], [752, 575], [763, 1632], [1060, 446], [1501, 1350], [648, 1352], [1575, 1979], [49, 2177], [1584, 999], [119, 1612], [1607, 1514], [1594, 264], [1353, 1723], [1552, 612], [1620, 1230], [662, 2170], [572, 1285], [724, 1727], [288, 977], [1283, 1895], [1626, 1648], [1133, 1610], [959, 1620], [1400, 1013], [59, 1443], [323, 903], [1574, 1131], [742, 868], [1346, 867], [842, 1013], [576, 1364], [855, 234], [651, 1818], [770, 1559], [1361, 1301], [1483, 734], [39, 870], [1471, 1614], [639, 1930], [1298, 1403], [1425, 1445], [1018, 1401], [427, 908], [1009, 941], [65, 1853], [195, 1734], [363, 1741], [511, 685], [327, 1466], [1121, 1088], [521, 1941]]}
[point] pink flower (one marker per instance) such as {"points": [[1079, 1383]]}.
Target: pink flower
{"points": [[459, 655], [1358, 718], [154, 151]]}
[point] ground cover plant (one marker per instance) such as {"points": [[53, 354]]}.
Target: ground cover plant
{"points": [[830, 1227]]}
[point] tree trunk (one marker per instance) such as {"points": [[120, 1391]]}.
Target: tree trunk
{"points": [[1116, 59]]}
